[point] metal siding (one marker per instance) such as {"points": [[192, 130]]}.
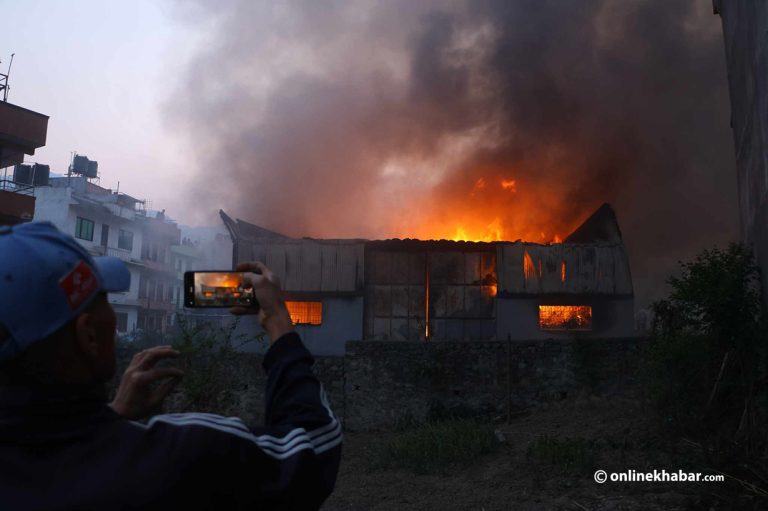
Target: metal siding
{"points": [[400, 301], [472, 270], [586, 275], [416, 268], [399, 268], [510, 267], [311, 266], [351, 275], [275, 261], [330, 269], [552, 258], [446, 267], [606, 280], [532, 282], [621, 271]]}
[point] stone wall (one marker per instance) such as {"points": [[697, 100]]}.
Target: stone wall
{"points": [[380, 385], [387, 383], [236, 387]]}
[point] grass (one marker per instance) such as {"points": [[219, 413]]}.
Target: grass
{"points": [[571, 455], [435, 447]]}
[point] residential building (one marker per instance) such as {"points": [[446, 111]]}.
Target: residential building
{"points": [[21, 132], [105, 223], [159, 280]]}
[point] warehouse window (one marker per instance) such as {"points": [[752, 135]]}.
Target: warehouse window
{"points": [[305, 313], [84, 229], [565, 317]]}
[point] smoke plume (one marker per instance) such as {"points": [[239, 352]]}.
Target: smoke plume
{"points": [[493, 118]]}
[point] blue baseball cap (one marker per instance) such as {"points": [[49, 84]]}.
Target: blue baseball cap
{"points": [[46, 280]]}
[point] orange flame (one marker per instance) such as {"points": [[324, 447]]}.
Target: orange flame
{"points": [[492, 206], [528, 267], [565, 317], [509, 184], [228, 279]]}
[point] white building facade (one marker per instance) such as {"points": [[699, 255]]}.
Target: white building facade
{"points": [[105, 223]]}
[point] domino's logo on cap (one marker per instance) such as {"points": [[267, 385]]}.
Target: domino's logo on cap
{"points": [[46, 280]]}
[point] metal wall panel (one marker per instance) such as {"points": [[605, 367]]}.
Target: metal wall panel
{"points": [[589, 269], [309, 265]]}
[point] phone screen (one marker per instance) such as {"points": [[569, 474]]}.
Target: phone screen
{"points": [[216, 289]]}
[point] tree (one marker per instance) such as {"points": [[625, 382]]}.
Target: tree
{"points": [[708, 349]]}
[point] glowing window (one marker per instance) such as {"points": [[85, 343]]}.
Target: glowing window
{"points": [[305, 313], [565, 317]]}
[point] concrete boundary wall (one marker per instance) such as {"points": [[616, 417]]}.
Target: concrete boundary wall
{"points": [[379, 385]]}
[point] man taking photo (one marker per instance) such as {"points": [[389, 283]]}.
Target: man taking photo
{"points": [[63, 446]]}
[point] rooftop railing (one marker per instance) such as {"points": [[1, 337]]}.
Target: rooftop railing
{"points": [[9, 185]]}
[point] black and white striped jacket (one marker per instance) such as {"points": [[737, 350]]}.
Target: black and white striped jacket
{"points": [[66, 449]]}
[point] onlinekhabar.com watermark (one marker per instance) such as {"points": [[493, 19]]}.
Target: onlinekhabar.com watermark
{"points": [[677, 476]]}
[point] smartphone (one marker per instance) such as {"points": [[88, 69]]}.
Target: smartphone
{"points": [[216, 289]]}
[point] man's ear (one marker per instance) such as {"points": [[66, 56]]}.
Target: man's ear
{"points": [[86, 337]]}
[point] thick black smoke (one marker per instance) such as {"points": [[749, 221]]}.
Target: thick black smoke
{"points": [[361, 119]]}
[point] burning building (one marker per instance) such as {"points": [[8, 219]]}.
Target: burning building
{"points": [[339, 290]]}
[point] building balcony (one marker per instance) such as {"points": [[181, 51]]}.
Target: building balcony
{"points": [[158, 266], [21, 132], [159, 305], [17, 202], [122, 254], [124, 299]]}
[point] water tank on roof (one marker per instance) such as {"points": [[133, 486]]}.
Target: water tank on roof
{"points": [[93, 169], [41, 174], [22, 174], [80, 164], [83, 166]]}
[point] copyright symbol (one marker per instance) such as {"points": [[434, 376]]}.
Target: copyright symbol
{"points": [[601, 476]]}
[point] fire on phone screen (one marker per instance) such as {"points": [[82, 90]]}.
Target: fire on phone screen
{"points": [[220, 289]]}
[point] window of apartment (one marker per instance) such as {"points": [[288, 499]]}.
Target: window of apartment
{"points": [[84, 229], [565, 317], [125, 240], [305, 313], [122, 321], [104, 235]]}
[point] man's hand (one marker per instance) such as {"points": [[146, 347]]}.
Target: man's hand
{"points": [[137, 396], [273, 315]]}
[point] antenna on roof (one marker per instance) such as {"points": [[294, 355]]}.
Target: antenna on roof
{"points": [[4, 87]]}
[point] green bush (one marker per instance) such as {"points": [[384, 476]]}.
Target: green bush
{"points": [[206, 352], [435, 447], [206, 348], [707, 358]]}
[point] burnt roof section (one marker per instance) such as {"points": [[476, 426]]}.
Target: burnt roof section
{"points": [[240, 229], [600, 226], [415, 245]]}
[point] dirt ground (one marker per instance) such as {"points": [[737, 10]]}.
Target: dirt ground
{"points": [[622, 435]]}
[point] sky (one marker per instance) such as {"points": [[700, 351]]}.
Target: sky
{"points": [[395, 119], [102, 71]]}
